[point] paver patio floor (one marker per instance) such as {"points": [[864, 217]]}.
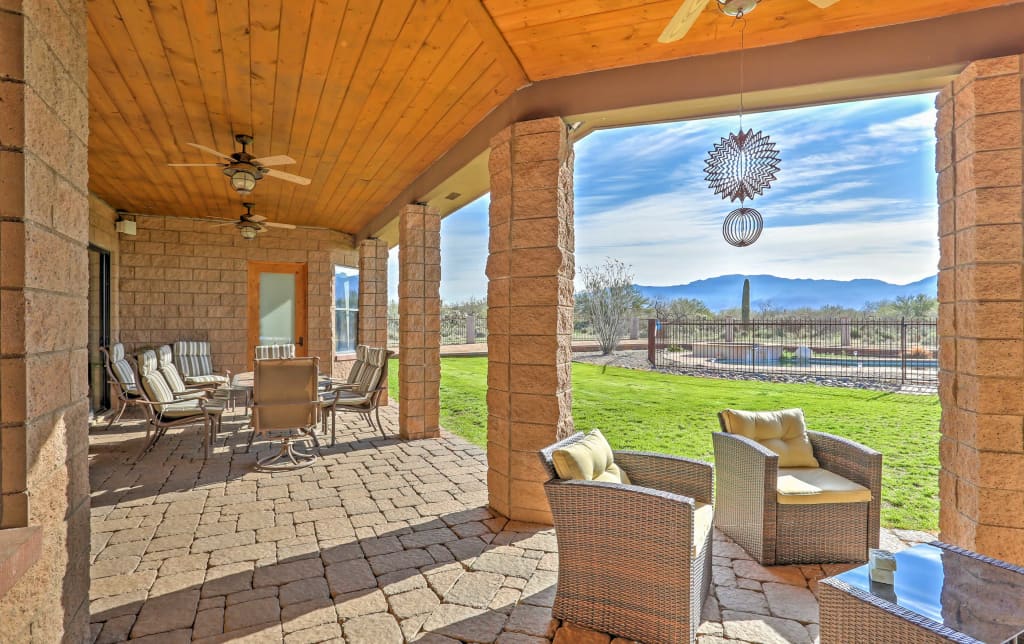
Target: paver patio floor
{"points": [[380, 541]]}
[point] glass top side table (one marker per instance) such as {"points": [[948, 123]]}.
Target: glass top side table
{"points": [[941, 594]]}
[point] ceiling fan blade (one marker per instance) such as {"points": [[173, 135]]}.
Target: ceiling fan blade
{"points": [[287, 176], [280, 159], [680, 23], [823, 4], [256, 218], [209, 150], [226, 223], [274, 224], [195, 165]]}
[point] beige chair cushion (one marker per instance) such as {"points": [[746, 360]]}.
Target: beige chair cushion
{"points": [[783, 432], [807, 485], [703, 516], [589, 459]]}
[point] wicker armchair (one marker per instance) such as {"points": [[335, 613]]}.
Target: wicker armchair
{"points": [[629, 561], [773, 533]]}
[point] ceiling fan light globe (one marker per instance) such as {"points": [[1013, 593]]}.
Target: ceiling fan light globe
{"points": [[243, 182], [248, 232]]}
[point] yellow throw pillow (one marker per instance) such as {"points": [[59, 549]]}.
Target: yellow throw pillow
{"points": [[783, 432], [590, 459]]}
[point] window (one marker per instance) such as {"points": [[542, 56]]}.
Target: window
{"points": [[346, 308]]}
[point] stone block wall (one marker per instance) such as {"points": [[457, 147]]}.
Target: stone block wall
{"points": [[44, 223], [373, 294], [530, 274], [419, 320], [981, 318], [181, 278]]}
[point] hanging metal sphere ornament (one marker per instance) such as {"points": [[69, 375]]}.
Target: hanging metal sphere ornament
{"points": [[742, 227], [742, 166]]}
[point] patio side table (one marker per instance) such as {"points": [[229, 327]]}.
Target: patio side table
{"points": [[941, 594]]}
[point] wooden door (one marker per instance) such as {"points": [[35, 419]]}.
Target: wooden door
{"points": [[276, 298]]}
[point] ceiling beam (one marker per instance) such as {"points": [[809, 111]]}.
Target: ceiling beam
{"points": [[891, 60], [483, 23]]}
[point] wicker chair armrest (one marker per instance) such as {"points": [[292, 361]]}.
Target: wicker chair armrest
{"points": [[848, 459], [598, 515], [747, 450], [668, 473], [746, 493]]}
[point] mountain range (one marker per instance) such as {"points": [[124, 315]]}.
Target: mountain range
{"points": [[725, 291]]}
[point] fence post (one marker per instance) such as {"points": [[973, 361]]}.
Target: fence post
{"points": [[634, 328], [470, 329], [730, 330], [652, 339], [844, 329], [903, 351]]}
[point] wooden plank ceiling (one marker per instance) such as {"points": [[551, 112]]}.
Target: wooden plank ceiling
{"points": [[365, 94]]}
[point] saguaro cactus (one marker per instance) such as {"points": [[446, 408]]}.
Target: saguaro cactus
{"points": [[745, 309]]}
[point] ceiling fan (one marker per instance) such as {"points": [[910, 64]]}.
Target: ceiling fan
{"points": [[250, 224], [245, 170], [687, 14]]}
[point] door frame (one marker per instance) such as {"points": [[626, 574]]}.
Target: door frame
{"points": [[253, 303], [103, 340]]}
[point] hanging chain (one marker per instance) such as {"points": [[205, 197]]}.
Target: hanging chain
{"points": [[740, 18]]}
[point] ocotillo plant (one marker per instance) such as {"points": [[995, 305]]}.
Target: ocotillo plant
{"points": [[745, 310]]}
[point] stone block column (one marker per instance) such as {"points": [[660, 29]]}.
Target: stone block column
{"points": [[373, 295], [530, 274], [981, 309], [44, 222], [419, 325]]}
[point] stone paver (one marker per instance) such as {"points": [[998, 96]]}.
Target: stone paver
{"points": [[380, 541]]}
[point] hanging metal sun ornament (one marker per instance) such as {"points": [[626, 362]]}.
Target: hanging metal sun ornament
{"points": [[740, 167]]}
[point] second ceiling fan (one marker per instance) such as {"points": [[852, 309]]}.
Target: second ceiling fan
{"points": [[244, 169], [688, 12]]}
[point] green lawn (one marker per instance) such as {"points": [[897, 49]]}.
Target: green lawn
{"points": [[676, 415]]}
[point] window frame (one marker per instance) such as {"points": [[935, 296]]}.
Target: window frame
{"points": [[351, 306]]}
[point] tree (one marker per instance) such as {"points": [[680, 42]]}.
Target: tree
{"points": [[680, 309], [609, 300], [905, 306]]}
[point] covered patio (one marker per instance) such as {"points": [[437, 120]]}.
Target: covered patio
{"points": [[398, 113], [381, 540]]}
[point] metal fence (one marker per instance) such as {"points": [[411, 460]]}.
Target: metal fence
{"points": [[904, 351], [457, 329], [473, 330], [583, 331]]}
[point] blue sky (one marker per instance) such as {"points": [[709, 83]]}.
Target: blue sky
{"points": [[855, 198]]}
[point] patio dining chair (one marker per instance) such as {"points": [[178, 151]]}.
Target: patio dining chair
{"points": [[121, 377], [787, 495], [285, 399], [165, 410], [274, 351], [195, 363], [634, 538], [165, 365], [363, 395]]}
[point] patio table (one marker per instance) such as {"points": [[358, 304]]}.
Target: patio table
{"points": [[244, 382], [941, 594]]}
